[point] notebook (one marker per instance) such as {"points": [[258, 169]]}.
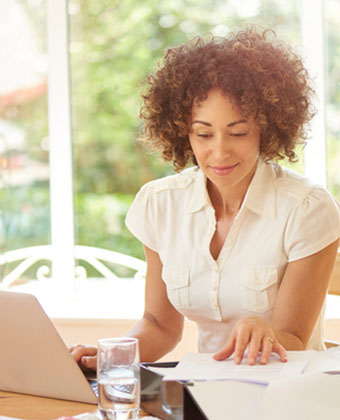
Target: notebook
{"points": [[33, 357]]}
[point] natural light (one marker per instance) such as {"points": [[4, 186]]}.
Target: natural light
{"points": [[69, 121]]}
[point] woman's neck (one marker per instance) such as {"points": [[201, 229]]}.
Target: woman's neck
{"points": [[225, 202]]}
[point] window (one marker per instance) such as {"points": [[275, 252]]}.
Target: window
{"points": [[113, 47], [95, 77], [332, 93], [24, 159]]}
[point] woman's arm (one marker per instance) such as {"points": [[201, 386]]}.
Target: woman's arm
{"points": [[301, 296], [160, 328], [298, 305]]}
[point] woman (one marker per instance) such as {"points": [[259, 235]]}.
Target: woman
{"points": [[236, 243]]}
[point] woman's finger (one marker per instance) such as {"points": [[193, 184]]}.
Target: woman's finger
{"points": [[281, 351], [242, 340], [227, 351], [267, 348], [271, 345], [79, 350], [90, 362], [254, 349]]}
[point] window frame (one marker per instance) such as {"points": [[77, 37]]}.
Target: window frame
{"points": [[313, 36], [60, 126], [60, 146]]}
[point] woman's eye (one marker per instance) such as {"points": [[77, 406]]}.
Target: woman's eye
{"points": [[238, 134], [204, 136]]}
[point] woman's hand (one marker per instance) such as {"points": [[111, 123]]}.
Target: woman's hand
{"points": [[256, 334], [85, 356]]}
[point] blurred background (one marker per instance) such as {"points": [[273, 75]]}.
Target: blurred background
{"points": [[113, 45]]}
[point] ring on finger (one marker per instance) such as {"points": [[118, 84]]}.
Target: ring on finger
{"points": [[270, 339]]}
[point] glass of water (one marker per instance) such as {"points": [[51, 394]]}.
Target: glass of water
{"points": [[118, 376]]}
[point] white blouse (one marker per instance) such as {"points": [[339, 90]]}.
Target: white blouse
{"points": [[283, 218]]}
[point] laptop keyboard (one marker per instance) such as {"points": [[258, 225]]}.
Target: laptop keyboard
{"points": [[94, 385]]}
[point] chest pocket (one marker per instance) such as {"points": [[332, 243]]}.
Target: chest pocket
{"points": [[177, 284], [259, 286]]}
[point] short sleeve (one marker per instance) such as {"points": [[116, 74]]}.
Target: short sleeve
{"points": [[141, 218], [314, 224]]}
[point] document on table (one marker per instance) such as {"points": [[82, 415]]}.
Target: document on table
{"points": [[324, 361], [313, 395], [202, 367], [232, 400]]}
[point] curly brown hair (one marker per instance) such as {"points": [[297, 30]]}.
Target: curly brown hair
{"points": [[263, 76]]}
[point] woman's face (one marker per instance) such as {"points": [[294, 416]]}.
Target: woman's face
{"points": [[225, 144]]}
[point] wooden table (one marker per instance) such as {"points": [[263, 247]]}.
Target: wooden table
{"points": [[30, 407]]}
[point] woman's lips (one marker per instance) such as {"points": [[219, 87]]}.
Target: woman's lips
{"points": [[223, 170]]}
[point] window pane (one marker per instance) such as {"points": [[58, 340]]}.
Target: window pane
{"points": [[332, 13], [114, 45], [24, 170]]}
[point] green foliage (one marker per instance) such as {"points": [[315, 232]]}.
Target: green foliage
{"points": [[100, 220], [25, 220], [114, 45]]}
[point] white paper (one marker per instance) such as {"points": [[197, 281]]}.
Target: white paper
{"points": [[324, 361], [311, 396], [202, 367], [221, 400], [163, 371]]}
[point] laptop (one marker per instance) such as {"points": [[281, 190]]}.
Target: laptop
{"points": [[33, 357]]}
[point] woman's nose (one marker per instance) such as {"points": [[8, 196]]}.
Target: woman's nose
{"points": [[222, 147]]}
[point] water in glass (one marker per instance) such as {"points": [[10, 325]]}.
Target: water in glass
{"points": [[118, 375], [119, 395]]}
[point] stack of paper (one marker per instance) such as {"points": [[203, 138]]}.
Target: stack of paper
{"points": [[306, 387], [313, 395], [202, 367]]}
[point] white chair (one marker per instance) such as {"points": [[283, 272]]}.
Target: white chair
{"points": [[101, 259]]}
